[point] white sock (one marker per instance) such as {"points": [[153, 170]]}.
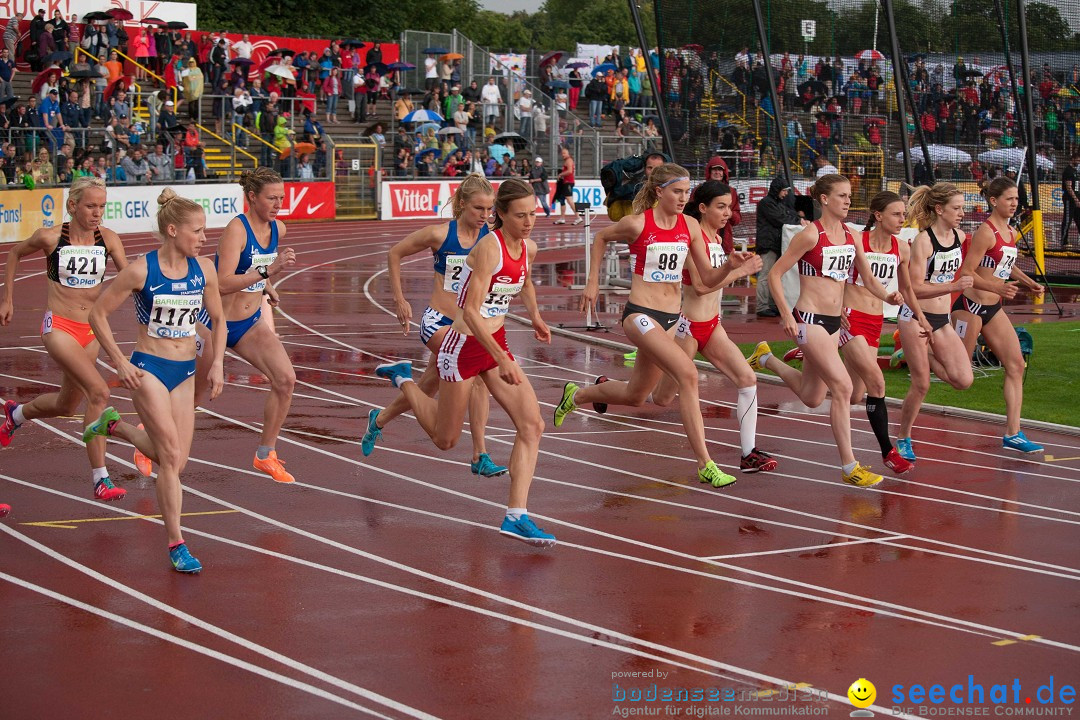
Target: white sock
{"points": [[747, 409], [849, 468], [100, 474], [516, 513], [765, 359], [17, 415], [398, 381]]}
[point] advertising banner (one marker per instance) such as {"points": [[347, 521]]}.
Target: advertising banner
{"points": [[308, 201], [24, 211], [404, 199], [134, 209]]}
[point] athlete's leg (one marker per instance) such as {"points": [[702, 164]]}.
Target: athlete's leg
{"points": [[519, 402], [861, 361], [823, 366], [158, 410], [666, 389], [442, 419], [262, 348], [1001, 337]]}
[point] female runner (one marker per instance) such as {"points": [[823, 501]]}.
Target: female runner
{"points": [[497, 269], [825, 253], [935, 261], [659, 236], [170, 286], [450, 243], [990, 260], [76, 254], [860, 337], [699, 328]]}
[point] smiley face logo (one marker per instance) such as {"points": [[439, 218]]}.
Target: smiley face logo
{"points": [[862, 693]]}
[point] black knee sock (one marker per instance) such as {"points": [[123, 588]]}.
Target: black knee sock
{"points": [[878, 415]]}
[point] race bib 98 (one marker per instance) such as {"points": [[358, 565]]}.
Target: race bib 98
{"points": [[664, 262], [836, 261], [81, 266], [455, 266], [256, 260], [174, 316]]}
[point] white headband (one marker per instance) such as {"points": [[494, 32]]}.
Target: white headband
{"points": [[675, 180]]}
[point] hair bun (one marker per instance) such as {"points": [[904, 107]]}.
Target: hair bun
{"points": [[166, 195]]}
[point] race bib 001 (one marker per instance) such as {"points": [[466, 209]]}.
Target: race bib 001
{"points": [[81, 266], [455, 267], [883, 267], [174, 316], [836, 261], [256, 260], [1004, 269], [664, 262]]}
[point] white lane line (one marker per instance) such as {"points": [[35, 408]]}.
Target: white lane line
{"points": [[826, 546], [215, 630], [189, 645]]}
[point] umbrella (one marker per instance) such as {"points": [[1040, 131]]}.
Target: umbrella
{"points": [[603, 68], [84, 74], [380, 68], [553, 57], [693, 46], [423, 116], [152, 21], [118, 13], [558, 84], [498, 151], [247, 62], [436, 51], [427, 126], [176, 25], [450, 131], [9, 99], [281, 51], [869, 55], [973, 73], [429, 151], [354, 43], [518, 142], [302, 148], [43, 77], [577, 65], [453, 56], [939, 153], [409, 91], [59, 57], [281, 71], [122, 82], [371, 128], [1014, 156], [97, 16], [993, 132], [400, 66]]}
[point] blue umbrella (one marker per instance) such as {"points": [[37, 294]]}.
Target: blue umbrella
{"points": [[423, 128], [603, 68], [560, 84], [430, 151], [400, 66], [498, 150], [423, 116], [435, 51], [578, 64]]}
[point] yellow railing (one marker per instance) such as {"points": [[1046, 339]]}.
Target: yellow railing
{"points": [[210, 132], [243, 129], [148, 71]]}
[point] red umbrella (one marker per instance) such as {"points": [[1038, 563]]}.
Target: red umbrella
{"points": [[43, 77], [693, 46], [119, 13], [124, 81], [553, 57], [308, 101], [869, 55], [152, 21]]}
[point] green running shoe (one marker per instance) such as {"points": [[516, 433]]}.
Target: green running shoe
{"points": [[100, 427], [566, 405], [714, 476]]}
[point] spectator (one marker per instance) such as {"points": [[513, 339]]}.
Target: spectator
{"points": [[167, 119], [37, 28], [304, 169], [11, 34], [71, 117], [160, 164], [453, 101], [595, 93], [538, 178], [492, 99], [403, 106], [824, 167], [575, 87], [120, 108], [524, 110], [219, 56], [7, 72], [374, 55], [241, 115], [431, 72], [774, 211], [331, 91], [243, 48], [403, 162], [462, 118], [43, 170], [45, 45], [136, 168], [472, 93], [717, 169], [193, 89]]}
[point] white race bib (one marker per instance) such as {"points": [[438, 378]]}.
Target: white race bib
{"points": [[81, 266], [883, 266], [905, 314], [664, 262], [497, 301], [264, 260], [836, 261], [455, 265], [717, 256], [1004, 269], [174, 316], [945, 266]]}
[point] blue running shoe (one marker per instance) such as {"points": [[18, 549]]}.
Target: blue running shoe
{"points": [[393, 371], [1020, 443], [182, 561], [903, 446], [100, 427], [372, 434], [525, 530], [486, 467]]}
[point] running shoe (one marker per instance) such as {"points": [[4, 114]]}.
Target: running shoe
{"points": [[525, 530], [903, 449], [273, 467], [794, 353], [757, 461], [143, 463], [601, 408], [101, 426], [714, 476], [486, 467], [862, 476], [1020, 443], [8, 428], [630, 356], [183, 561], [106, 491], [4, 510], [579, 221], [372, 434], [394, 371], [759, 351], [566, 405], [896, 462]]}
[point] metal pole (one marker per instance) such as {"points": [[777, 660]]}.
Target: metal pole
{"points": [[765, 56], [654, 83], [1008, 64], [1032, 158], [901, 81]]}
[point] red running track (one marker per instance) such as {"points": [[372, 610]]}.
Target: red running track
{"points": [[379, 586]]}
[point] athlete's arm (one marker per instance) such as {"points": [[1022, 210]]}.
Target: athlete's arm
{"points": [[482, 259], [130, 279], [1018, 274], [731, 269], [903, 280], [528, 296], [115, 248], [626, 231], [870, 281], [803, 242], [212, 301], [231, 244], [41, 241], [414, 242]]}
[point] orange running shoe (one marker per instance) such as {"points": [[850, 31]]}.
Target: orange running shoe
{"points": [[274, 468], [143, 463]]}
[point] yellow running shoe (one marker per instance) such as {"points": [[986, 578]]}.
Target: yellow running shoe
{"points": [[714, 476], [760, 351], [862, 477], [566, 405]]}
